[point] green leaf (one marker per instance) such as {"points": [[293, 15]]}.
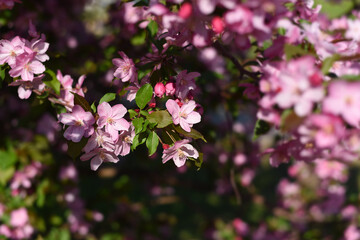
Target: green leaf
{"points": [[108, 97], [144, 95], [93, 107], [138, 124], [79, 100], [153, 28], [52, 82], [2, 73], [139, 38], [138, 140], [261, 128], [328, 62], [152, 142], [74, 149], [41, 192], [6, 175], [7, 158], [132, 113], [193, 134], [162, 118], [292, 51]]}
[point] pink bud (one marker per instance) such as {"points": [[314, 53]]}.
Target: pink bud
{"points": [[159, 89], [185, 11], [316, 79], [165, 146], [170, 89], [152, 105], [217, 24]]}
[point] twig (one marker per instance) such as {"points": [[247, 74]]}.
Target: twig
{"points": [[227, 54], [233, 184]]}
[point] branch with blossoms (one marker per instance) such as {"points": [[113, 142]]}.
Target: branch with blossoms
{"points": [[103, 133]]}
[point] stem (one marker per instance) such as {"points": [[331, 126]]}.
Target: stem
{"points": [[233, 184]]}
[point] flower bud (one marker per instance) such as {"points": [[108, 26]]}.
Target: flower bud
{"points": [[185, 11], [217, 24], [159, 89], [170, 89]]}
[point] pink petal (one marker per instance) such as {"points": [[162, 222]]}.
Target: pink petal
{"points": [[184, 125], [95, 163], [118, 111], [193, 118], [104, 109], [172, 107]]}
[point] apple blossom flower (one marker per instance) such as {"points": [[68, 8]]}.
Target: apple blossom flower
{"points": [[344, 100], [39, 46], [19, 217], [180, 152], [325, 130], [80, 123], [26, 66], [9, 50], [184, 115], [185, 82], [126, 70], [98, 156], [112, 118], [26, 87], [123, 144], [99, 139]]}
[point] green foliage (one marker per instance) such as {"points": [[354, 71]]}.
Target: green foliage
{"points": [[328, 62], [152, 142], [144, 95], [108, 97], [194, 134], [7, 157], [51, 81], [81, 101], [74, 149], [261, 128], [162, 118]]}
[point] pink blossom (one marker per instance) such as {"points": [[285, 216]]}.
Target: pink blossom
{"points": [[126, 70], [184, 115], [239, 20], [112, 118], [39, 46], [208, 6], [352, 233], [19, 217], [180, 152], [123, 144], [185, 82], [80, 124], [26, 66], [99, 139], [240, 226], [344, 100], [330, 169], [159, 89], [297, 88], [98, 156], [20, 179], [68, 172], [26, 87], [325, 130], [9, 50]]}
